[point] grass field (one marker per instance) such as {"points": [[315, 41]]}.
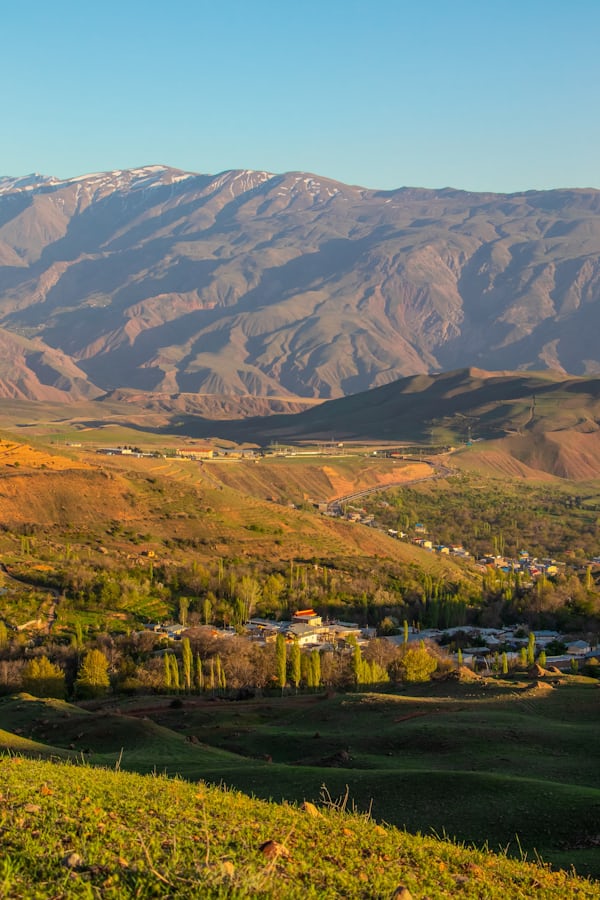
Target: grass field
{"points": [[505, 764], [94, 833]]}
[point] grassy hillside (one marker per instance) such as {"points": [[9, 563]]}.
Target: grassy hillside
{"points": [[75, 516], [501, 763], [116, 835]]}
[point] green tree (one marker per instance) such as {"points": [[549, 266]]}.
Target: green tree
{"points": [[405, 631], [184, 605], [218, 674], [542, 659], [43, 679], [504, 663], [531, 649], [199, 674], [417, 664], [281, 660], [315, 660], [248, 591], [175, 682], [187, 663], [3, 635], [93, 680], [295, 664], [207, 607], [168, 681]]}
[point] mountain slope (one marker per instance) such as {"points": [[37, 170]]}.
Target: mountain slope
{"points": [[293, 285]]}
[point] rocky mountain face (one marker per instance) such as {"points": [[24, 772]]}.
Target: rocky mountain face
{"points": [[285, 286]]}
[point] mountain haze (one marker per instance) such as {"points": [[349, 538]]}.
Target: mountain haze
{"points": [[285, 286]]}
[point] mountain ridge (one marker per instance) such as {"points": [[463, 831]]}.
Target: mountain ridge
{"points": [[251, 283]]}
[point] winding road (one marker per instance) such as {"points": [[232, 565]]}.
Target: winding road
{"points": [[334, 507]]}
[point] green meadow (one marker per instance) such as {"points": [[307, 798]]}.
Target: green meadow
{"points": [[506, 765]]}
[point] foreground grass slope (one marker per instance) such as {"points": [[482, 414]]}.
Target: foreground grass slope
{"points": [[74, 831], [503, 763]]}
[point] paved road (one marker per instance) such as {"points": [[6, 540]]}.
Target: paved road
{"points": [[437, 471]]}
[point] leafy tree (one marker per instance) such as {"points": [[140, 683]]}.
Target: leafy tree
{"points": [[531, 649], [249, 592], [43, 679], [184, 605], [281, 658], [504, 663], [199, 674], [207, 607], [93, 680], [187, 663], [315, 659], [3, 635], [167, 671], [295, 663], [415, 664], [219, 674], [174, 665]]}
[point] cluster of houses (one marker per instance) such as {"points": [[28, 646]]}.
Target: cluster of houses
{"points": [[525, 563], [306, 627], [309, 629], [486, 642], [311, 632]]}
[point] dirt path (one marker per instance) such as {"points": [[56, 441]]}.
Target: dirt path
{"points": [[42, 624]]}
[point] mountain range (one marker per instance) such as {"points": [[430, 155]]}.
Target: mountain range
{"points": [[280, 290]]}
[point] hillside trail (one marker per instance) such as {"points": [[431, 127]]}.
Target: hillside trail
{"points": [[49, 618]]}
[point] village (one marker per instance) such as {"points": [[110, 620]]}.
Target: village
{"points": [[467, 645]]}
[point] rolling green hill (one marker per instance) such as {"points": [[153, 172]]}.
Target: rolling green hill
{"points": [[504, 764], [114, 835]]}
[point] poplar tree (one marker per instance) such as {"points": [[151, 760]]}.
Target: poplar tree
{"points": [[531, 649], [357, 664], [295, 662], [187, 663], [167, 671], [281, 660], [199, 674], [218, 674], [315, 658], [174, 671], [504, 663]]}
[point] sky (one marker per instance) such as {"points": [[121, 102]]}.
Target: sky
{"points": [[481, 96]]}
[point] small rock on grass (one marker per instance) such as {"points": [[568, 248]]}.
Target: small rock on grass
{"points": [[228, 868], [273, 849], [72, 860], [401, 893], [311, 810]]}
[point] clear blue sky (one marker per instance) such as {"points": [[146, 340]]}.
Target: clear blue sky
{"points": [[487, 95]]}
